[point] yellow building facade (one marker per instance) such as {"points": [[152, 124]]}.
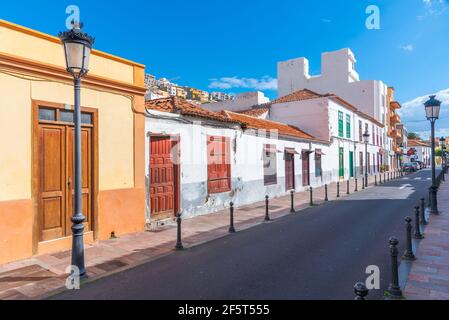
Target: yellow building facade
{"points": [[36, 102]]}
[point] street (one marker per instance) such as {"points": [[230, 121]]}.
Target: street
{"points": [[318, 253]]}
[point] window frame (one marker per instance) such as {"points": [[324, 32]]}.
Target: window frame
{"points": [[270, 155], [341, 130], [225, 168]]}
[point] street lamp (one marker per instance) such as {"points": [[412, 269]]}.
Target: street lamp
{"points": [[77, 48], [432, 107], [366, 136]]}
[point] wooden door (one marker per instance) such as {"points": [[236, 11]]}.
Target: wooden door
{"points": [[163, 184], [52, 182], [289, 171], [55, 184], [351, 164], [305, 168], [341, 161]]}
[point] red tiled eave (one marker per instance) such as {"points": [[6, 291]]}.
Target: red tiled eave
{"points": [[256, 123], [180, 106]]}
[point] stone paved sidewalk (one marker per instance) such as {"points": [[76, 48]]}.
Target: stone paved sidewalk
{"points": [[39, 276], [429, 276]]}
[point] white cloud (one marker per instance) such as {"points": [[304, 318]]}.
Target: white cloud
{"points": [[414, 117], [226, 83], [433, 8], [407, 47]]}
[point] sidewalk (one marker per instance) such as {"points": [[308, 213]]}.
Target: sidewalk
{"points": [[429, 277], [41, 275]]}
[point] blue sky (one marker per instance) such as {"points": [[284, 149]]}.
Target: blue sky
{"points": [[198, 43]]}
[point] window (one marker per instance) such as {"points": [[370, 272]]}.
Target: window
{"points": [[219, 164], [362, 166], [348, 126], [318, 165], [340, 124], [374, 136], [270, 165], [360, 131], [66, 116]]}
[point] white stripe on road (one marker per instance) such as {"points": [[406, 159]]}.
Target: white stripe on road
{"points": [[405, 186]]}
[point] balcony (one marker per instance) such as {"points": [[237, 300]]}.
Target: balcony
{"points": [[395, 119], [395, 105]]}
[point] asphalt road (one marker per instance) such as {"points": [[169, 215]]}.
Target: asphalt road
{"points": [[319, 253]]}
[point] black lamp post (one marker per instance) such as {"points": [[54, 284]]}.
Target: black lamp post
{"points": [[432, 107], [77, 47], [366, 136]]}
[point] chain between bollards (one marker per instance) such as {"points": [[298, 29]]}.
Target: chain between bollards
{"points": [[418, 235], [267, 209], [408, 254], [292, 195], [179, 246], [231, 224], [361, 291], [326, 197], [394, 289]]}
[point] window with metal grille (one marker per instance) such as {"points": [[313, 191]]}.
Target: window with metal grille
{"points": [[219, 164], [270, 164], [318, 165]]}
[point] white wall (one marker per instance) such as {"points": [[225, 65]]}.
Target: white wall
{"points": [[241, 102], [246, 165]]}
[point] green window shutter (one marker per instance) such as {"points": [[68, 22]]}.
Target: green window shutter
{"points": [[340, 124], [348, 126]]}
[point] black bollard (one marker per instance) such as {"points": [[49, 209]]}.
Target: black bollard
{"points": [[347, 187], [394, 289], [326, 197], [375, 180], [363, 183], [311, 196], [179, 245], [361, 291], [267, 209], [385, 179], [356, 185], [380, 178], [231, 211], [292, 194], [423, 211], [418, 235], [408, 254], [338, 189]]}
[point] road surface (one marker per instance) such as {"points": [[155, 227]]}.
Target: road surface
{"points": [[319, 253]]}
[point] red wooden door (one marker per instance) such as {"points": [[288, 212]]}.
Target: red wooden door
{"points": [[289, 171], [162, 178], [305, 168]]}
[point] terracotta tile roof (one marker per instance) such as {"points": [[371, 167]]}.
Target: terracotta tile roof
{"points": [[181, 106], [307, 94], [300, 95], [256, 112], [257, 123], [418, 143]]}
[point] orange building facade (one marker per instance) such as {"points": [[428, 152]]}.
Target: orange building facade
{"points": [[36, 143]]}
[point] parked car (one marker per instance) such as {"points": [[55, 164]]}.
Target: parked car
{"points": [[420, 164], [410, 167]]}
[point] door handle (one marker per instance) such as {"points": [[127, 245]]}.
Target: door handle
{"points": [[70, 182]]}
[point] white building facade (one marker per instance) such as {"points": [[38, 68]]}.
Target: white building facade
{"points": [[338, 76]]}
